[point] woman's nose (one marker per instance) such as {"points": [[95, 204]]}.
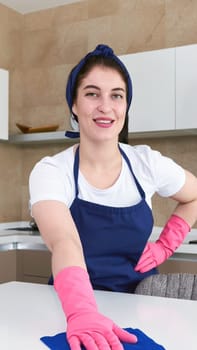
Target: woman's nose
{"points": [[104, 104]]}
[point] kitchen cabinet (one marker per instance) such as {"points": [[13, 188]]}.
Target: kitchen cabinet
{"points": [[8, 266], [153, 79], [4, 93], [34, 266], [25, 266], [44, 137], [186, 87], [164, 90], [178, 266]]}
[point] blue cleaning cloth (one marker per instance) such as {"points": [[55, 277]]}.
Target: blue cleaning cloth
{"points": [[59, 342]]}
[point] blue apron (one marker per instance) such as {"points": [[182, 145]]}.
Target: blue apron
{"points": [[112, 238]]}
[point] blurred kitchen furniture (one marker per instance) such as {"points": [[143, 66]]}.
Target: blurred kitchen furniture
{"points": [[171, 285], [4, 103], [29, 311], [25, 265], [24, 256], [168, 91], [157, 67]]}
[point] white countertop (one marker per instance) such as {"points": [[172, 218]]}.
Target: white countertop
{"points": [[25, 240], [29, 311]]}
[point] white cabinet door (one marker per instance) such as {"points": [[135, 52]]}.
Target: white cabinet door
{"points": [[186, 87], [4, 76], [153, 78]]}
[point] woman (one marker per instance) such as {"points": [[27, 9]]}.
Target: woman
{"points": [[92, 203]]}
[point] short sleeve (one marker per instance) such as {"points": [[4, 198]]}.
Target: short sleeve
{"points": [[156, 172], [169, 177], [48, 182]]}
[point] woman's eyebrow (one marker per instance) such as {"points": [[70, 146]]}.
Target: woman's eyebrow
{"points": [[97, 88], [91, 87], [118, 89]]}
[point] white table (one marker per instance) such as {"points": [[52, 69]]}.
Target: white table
{"points": [[29, 311]]}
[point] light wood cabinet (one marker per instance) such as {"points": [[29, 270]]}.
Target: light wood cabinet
{"points": [[178, 266], [8, 266], [25, 266], [34, 265]]}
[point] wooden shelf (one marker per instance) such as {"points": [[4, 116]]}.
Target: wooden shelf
{"points": [[43, 137], [59, 136]]}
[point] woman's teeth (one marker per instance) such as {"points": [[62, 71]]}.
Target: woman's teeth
{"points": [[101, 121]]}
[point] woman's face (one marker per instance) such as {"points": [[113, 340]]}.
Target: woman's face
{"points": [[101, 104]]}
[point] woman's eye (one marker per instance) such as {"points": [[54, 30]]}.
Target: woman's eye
{"points": [[117, 96], [93, 94]]}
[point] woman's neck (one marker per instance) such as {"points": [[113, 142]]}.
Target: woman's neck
{"points": [[100, 164], [99, 154]]}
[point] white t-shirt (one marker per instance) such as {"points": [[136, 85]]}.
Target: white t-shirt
{"points": [[52, 179]]}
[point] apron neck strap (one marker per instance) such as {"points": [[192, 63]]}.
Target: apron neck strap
{"points": [[76, 171]]}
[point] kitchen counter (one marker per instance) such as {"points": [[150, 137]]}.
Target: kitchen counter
{"points": [[15, 239], [30, 311]]}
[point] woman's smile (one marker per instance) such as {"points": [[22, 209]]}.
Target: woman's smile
{"points": [[104, 122], [101, 103]]}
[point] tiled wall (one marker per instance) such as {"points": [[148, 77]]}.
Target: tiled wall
{"points": [[40, 48], [11, 29]]}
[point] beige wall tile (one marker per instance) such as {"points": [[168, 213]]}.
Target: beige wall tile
{"points": [[64, 44], [50, 18], [10, 183], [181, 22], [100, 8], [138, 26], [44, 86]]}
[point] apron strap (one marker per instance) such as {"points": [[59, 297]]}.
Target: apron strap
{"points": [[76, 170], [140, 189]]}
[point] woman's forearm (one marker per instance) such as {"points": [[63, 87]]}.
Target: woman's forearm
{"points": [[65, 253], [187, 211]]}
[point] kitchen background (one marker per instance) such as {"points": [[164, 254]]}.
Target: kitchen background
{"points": [[40, 48]]}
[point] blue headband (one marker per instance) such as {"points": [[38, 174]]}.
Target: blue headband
{"points": [[101, 50]]}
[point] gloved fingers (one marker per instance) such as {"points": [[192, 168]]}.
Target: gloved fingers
{"points": [[143, 262], [74, 343], [88, 341], [113, 341], [124, 335], [101, 341], [146, 249], [145, 258], [145, 255], [145, 266]]}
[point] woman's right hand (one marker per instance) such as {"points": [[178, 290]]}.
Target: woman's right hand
{"points": [[95, 331], [85, 325]]}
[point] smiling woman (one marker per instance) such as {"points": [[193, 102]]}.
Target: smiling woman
{"points": [[92, 203], [100, 107]]}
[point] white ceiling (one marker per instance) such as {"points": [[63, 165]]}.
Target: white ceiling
{"points": [[25, 6]]}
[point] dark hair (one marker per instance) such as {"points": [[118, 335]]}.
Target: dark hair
{"points": [[108, 62]]}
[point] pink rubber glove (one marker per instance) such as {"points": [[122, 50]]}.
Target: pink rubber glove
{"points": [[85, 325], [155, 253]]}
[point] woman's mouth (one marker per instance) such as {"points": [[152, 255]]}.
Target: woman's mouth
{"points": [[104, 122]]}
